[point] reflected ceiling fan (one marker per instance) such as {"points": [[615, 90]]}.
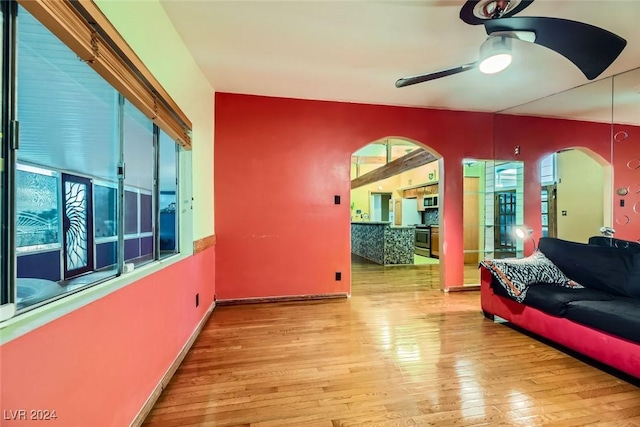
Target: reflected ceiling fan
{"points": [[591, 49]]}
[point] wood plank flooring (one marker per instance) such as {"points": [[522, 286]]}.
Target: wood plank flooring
{"points": [[399, 352]]}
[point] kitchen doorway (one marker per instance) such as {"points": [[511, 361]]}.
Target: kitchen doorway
{"points": [[380, 207]]}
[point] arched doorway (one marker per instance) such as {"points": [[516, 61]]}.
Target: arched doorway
{"points": [[575, 194], [394, 206]]}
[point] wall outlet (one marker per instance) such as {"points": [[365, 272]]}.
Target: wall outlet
{"points": [[336, 200], [338, 276], [197, 300]]}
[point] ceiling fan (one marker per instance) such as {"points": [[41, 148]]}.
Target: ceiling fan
{"points": [[591, 49]]}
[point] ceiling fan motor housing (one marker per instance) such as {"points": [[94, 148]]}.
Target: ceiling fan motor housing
{"points": [[476, 12], [492, 9]]}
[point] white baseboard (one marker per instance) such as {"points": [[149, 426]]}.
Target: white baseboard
{"points": [[151, 400]]}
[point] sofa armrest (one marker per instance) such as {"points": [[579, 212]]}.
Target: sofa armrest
{"points": [[486, 292]]}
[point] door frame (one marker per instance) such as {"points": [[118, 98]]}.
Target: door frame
{"points": [[67, 274], [552, 209], [500, 249]]}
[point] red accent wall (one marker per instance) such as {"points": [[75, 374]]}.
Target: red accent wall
{"points": [[98, 365], [538, 138], [626, 155], [278, 164]]}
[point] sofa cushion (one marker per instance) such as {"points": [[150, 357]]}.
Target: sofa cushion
{"points": [[607, 269], [553, 299], [620, 316], [516, 275]]}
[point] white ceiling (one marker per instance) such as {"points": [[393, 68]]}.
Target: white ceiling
{"points": [[355, 50]]}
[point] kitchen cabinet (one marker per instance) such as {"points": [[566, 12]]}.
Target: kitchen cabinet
{"points": [[435, 241], [420, 199], [411, 193], [420, 193]]}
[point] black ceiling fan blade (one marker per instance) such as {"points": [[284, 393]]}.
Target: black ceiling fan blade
{"points": [[408, 81], [590, 48]]}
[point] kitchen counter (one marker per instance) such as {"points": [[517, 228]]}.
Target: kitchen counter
{"points": [[382, 243], [383, 223]]}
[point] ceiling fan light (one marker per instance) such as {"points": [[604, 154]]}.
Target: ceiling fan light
{"points": [[495, 64], [495, 54]]}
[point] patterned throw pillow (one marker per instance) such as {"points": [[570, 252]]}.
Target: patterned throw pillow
{"points": [[517, 274]]}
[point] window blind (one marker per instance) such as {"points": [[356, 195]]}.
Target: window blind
{"points": [[83, 27]]}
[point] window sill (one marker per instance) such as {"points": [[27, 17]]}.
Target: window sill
{"points": [[23, 323]]}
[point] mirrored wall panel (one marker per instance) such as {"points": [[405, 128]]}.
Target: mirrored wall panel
{"points": [[626, 155], [561, 148]]}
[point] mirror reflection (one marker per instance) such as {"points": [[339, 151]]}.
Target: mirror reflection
{"points": [[626, 157], [563, 144]]}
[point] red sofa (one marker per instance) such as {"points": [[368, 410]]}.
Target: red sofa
{"points": [[611, 350]]}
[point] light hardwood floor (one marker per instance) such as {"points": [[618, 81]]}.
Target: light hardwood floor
{"points": [[399, 352]]}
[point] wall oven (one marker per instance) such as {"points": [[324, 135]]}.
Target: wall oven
{"points": [[423, 241]]}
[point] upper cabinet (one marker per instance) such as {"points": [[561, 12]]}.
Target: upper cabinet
{"points": [[422, 191]]}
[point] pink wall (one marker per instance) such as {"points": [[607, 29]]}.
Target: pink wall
{"points": [[97, 365], [278, 164]]}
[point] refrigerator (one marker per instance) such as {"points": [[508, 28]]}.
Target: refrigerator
{"points": [[410, 214]]}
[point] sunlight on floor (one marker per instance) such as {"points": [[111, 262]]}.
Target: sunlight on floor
{"points": [[422, 260]]}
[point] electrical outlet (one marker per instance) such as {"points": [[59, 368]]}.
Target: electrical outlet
{"points": [[336, 200], [197, 300], [338, 276]]}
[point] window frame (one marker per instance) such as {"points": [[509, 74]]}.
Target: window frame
{"points": [[14, 322]]}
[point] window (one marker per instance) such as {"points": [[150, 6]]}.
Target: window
{"points": [[168, 197], [138, 183], [37, 214], [106, 210], [4, 205], [87, 197]]}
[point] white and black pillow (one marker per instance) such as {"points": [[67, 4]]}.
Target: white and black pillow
{"points": [[515, 275]]}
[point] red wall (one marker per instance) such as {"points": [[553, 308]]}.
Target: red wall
{"points": [[626, 155], [278, 164], [539, 137], [97, 365]]}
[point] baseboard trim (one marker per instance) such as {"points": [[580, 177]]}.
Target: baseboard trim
{"points": [[463, 288], [287, 298], [151, 400]]}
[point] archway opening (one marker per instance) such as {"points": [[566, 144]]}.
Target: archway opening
{"points": [[395, 207], [575, 194]]}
